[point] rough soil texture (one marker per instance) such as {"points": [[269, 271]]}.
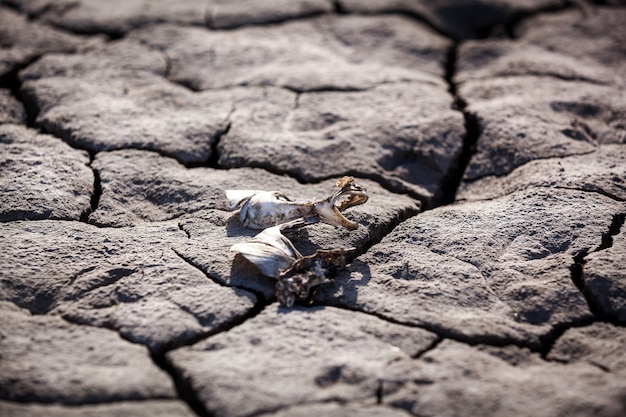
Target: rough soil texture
{"points": [[488, 270]]}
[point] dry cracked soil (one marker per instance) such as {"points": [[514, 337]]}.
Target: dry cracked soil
{"points": [[489, 276]]}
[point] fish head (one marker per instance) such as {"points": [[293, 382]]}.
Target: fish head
{"points": [[349, 194]]}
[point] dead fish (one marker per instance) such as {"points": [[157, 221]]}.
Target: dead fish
{"points": [[276, 257], [263, 209], [270, 251], [310, 271]]}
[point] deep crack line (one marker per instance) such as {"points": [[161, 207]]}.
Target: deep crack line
{"points": [[213, 160], [452, 180], [614, 229], [186, 232], [577, 268], [182, 384], [97, 191], [548, 341]]}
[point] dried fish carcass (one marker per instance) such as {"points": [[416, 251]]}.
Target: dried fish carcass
{"points": [[276, 257], [263, 209]]}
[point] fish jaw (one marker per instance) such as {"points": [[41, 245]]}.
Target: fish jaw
{"points": [[349, 195], [330, 214]]}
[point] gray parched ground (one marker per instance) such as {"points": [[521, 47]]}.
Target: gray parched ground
{"points": [[489, 277]]}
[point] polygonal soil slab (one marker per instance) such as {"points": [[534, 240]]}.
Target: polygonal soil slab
{"points": [[525, 118], [140, 186], [156, 408], [567, 45], [456, 379], [602, 171], [295, 356], [594, 38], [118, 100], [600, 344], [324, 53], [41, 177], [604, 278], [45, 359], [126, 279], [23, 40], [459, 19], [496, 271], [404, 135]]}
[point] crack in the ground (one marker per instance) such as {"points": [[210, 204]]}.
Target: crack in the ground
{"points": [[12, 82], [348, 89], [559, 332], [296, 100], [428, 348], [325, 89], [213, 161], [562, 77], [380, 391], [381, 232], [577, 268], [182, 380], [186, 232], [112, 276], [338, 7], [447, 195], [182, 383], [452, 180], [262, 301], [549, 340], [97, 191], [614, 229]]}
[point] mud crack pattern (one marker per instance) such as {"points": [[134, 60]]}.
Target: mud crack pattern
{"points": [[488, 277]]}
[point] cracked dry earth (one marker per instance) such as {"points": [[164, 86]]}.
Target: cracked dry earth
{"points": [[489, 277]]}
